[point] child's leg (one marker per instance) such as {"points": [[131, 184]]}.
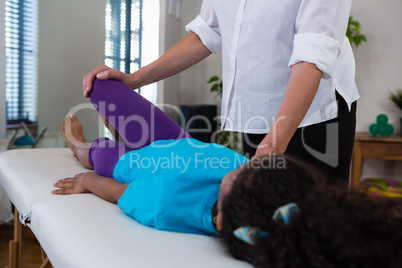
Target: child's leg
{"points": [[104, 155], [137, 120]]}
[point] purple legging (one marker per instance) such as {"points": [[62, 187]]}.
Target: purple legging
{"points": [[137, 120]]}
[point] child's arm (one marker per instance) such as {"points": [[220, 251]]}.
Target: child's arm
{"points": [[106, 188]]}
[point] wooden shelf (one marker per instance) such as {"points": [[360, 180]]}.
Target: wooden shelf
{"points": [[368, 146]]}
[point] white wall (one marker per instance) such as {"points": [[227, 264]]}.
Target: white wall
{"points": [[194, 87], [2, 74], [189, 87], [379, 60], [71, 43], [170, 29], [379, 71]]}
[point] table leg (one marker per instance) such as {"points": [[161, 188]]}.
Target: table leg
{"points": [[15, 254], [357, 165], [46, 263]]}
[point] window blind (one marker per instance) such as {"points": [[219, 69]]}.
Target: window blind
{"points": [[21, 44], [123, 46], [2, 74]]}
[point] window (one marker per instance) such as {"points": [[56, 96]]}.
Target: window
{"points": [[21, 42], [132, 36], [124, 35]]}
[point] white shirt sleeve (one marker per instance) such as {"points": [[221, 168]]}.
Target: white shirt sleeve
{"points": [[206, 26], [320, 31]]}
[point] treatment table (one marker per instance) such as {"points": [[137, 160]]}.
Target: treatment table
{"points": [[84, 230]]}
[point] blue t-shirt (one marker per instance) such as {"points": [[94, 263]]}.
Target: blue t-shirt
{"points": [[173, 184]]}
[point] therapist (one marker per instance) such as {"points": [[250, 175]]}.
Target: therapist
{"points": [[288, 75]]}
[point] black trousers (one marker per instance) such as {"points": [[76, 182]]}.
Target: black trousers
{"points": [[327, 145]]}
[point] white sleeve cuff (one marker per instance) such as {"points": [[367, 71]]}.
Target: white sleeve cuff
{"points": [[318, 49], [209, 37]]}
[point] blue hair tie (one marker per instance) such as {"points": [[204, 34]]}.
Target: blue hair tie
{"points": [[250, 235], [286, 213]]}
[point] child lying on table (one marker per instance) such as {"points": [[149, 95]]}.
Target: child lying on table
{"points": [[272, 211]]}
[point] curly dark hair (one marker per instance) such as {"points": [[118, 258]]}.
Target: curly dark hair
{"points": [[336, 227]]}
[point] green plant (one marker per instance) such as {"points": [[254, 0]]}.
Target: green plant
{"points": [[354, 34], [397, 98], [217, 85], [230, 139]]}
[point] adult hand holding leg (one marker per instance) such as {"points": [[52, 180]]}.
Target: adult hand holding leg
{"points": [[103, 72], [189, 51]]}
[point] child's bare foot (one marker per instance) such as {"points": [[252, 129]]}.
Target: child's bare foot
{"points": [[73, 134]]}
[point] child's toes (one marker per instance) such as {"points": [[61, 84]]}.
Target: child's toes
{"points": [[73, 117]]}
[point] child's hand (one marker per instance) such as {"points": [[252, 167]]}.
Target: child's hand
{"points": [[70, 185]]}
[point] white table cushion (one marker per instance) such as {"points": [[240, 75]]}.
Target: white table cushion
{"points": [[28, 175]]}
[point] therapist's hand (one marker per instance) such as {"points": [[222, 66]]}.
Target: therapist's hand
{"points": [[104, 72], [264, 148], [303, 84]]}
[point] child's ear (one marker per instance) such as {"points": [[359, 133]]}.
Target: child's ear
{"points": [[219, 221]]}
